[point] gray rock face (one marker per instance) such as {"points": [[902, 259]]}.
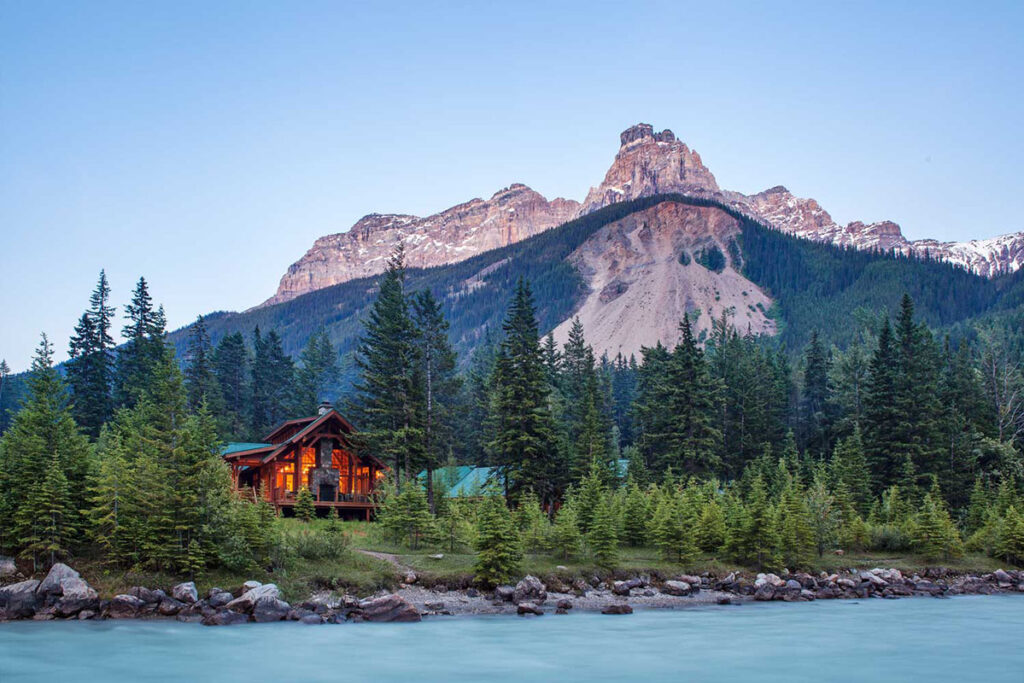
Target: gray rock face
{"points": [[765, 592], [51, 584], [247, 600], [147, 595], [676, 588], [388, 608], [169, 607], [76, 595], [19, 600], [220, 598], [250, 585], [224, 617], [530, 589], [1002, 577], [524, 608], [268, 609], [124, 607], [621, 608], [504, 593], [185, 592]]}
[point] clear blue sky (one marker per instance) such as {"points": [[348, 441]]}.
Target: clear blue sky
{"points": [[205, 145]]}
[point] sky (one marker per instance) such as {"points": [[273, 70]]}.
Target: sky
{"points": [[206, 145]]}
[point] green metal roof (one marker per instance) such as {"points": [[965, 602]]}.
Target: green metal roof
{"points": [[238, 447], [461, 480]]}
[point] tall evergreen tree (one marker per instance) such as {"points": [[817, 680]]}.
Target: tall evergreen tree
{"points": [[881, 416], [231, 368], [90, 368], [272, 382], [524, 439], [317, 375], [200, 378], [693, 437], [385, 399], [815, 399], [143, 349]]}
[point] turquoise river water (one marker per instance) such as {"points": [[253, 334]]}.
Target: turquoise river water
{"points": [[960, 639]]}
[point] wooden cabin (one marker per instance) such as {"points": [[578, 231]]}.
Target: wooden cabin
{"points": [[315, 452]]}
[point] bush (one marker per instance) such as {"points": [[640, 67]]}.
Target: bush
{"points": [[890, 537], [312, 543]]}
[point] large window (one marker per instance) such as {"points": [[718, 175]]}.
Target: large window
{"points": [[285, 476], [308, 463], [340, 461]]}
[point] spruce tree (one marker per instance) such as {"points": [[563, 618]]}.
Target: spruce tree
{"points": [[850, 469], [318, 373], [46, 519], [566, 539], [823, 514], [231, 367], [603, 536], [797, 539], [693, 438], [499, 550], [815, 397], [1010, 540], [385, 400], [304, 507], [143, 349], [636, 515], [881, 418], [90, 368], [711, 528], [272, 382], [524, 443], [200, 378], [758, 539]]}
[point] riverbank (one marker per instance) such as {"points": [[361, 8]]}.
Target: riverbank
{"points": [[64, 595]]}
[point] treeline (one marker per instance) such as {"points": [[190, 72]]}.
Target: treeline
{"points": [[120, 459]]}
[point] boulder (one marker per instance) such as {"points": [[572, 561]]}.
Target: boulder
{"points": [[624, 587], [873, 579], [248, 599], [524, 608], [618, 608], [765, 592], [224, 617], [250, 585], [676, 588], [86, 614], [170, 607], [51, 584], [145, 594], [268, 609], [564, 603], [411, 577], [185, 592], [7, 567], [504, 593], [530, 589], [1002, 577], [220, 598], [690, 579], [793, 584], [124, 607], [389, 607], [76, 595], [311, 619], [724, 600], [19, 600]]}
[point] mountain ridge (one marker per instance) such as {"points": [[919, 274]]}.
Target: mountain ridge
{"points": [[647, 163]]}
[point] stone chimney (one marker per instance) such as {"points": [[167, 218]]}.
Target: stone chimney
{"points": [[324, 408]]}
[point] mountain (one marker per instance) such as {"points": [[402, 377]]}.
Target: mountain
{"points": [[510, 215], [648, 163]]}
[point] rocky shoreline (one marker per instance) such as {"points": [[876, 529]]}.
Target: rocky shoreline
{"points": [[64, 595]]}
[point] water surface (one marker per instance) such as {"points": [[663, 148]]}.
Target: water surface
{"points": [[960, 639]]}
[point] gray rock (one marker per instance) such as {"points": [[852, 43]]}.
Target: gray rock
{"points": [[765, 592], [1002, 577], [19, 600], [618, 608], [524, 608], [690, 579], [434, 605], [564, 603], [530, 589], [224, 617], [220, 599], [411, 577], [311, 619], [185, 592], [145, 594], [76, 595], [504, 593], [250, 585], [676, 588], [793, 584], [247, 600], [7, 567], [86, 614], [169, 607], [388, 608], [624, 587], [724, 600], [268, 609], [561, 610], [124, 607], [51, 584]]}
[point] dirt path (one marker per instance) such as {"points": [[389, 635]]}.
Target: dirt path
{"points": [[387, 557]]}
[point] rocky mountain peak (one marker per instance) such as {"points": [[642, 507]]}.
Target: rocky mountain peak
{"points": [[642, 131]]}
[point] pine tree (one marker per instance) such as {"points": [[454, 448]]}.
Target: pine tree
{"points": [[636, 515], [534, 527], [231, 367], [439, 384], [565, 533], [304, 508], [385, 400], [935, 536], [672, 529], [850, 469], [881, 416], [711, 529], [42, 430], [693, 438], [796, 533], [46, 518], [814, 400], [977, 511], [603, 536], [90, 368], [824, 516], [200, 379], [143, 349], [588, 498], [272, 382], [317, 374], [1010, 540], [499, 550], [524, 441], [758, 539]]}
